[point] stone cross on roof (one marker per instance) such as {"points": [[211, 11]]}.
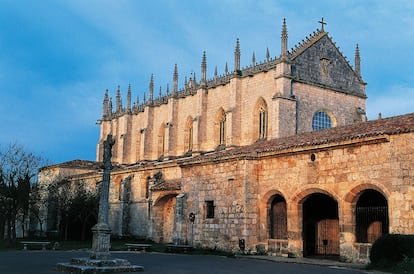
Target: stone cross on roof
{"points": [[322, 22]]}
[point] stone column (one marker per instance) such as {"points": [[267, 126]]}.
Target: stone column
{"points": [[101, 231], [100, 260]]}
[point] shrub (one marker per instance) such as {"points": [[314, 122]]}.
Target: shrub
{"points": [[392, 248]]}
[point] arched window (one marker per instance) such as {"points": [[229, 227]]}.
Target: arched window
{"points": [[188, 135], [322, 119], [223, 131], [260, 119], [262, 124], [221, 128]]}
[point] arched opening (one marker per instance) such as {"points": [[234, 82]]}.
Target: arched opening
{"points": [[323, 119], [320, 226], [260, 119], [278, 218], [220, 128], [163, 219], [371, 216]]}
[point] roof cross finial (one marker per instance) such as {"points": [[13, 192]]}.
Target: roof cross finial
{"points": [[323, 23]]}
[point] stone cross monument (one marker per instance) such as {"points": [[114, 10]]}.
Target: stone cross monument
{"points": [[101, 231], [100, 260]]}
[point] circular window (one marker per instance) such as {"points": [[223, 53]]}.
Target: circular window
{"points": [[321, 120]]}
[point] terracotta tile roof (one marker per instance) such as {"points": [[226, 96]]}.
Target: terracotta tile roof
{"points": [[81, 164], [174, 184], [387, 126]]}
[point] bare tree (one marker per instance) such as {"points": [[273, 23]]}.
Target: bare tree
{"points": [[38, 205], [18, 170]]}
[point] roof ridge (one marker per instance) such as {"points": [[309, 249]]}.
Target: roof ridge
{"points": [[308, 41], [387, 126]]}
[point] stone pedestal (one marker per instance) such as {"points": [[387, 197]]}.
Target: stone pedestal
{"points": [[90, 266], [101, 242]]}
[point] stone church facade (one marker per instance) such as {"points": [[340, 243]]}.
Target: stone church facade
{"points": [[278, 154]]}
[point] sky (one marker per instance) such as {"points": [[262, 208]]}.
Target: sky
{"points": [[57, 57]]}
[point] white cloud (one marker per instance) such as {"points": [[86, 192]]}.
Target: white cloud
{"points": [[396, 101]]}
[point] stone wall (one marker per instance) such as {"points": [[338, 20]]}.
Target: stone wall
{"points": [[139, 136], [243, 189]]}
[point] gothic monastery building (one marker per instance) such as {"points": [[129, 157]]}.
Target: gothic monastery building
{"points": [[277, 154]]}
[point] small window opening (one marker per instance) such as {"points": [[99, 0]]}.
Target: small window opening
{"points": [[209, 209]]}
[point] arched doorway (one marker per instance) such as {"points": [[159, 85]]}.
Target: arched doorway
{"points": [[371, 216], [320, 225], [278, 218], [163, 219]]}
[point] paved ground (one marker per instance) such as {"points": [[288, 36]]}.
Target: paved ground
{"points": [[44, 262]]}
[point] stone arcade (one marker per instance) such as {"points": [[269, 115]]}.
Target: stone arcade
{"points": [[278, 154]]}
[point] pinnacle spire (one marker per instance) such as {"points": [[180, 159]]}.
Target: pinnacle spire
{"points": [[110, 107], [129, 98], [357, 61], [105, 110], [118, 100], [194, 80], [151, 89], [203, 70], [267, 55], [237, 56], [284, 44], [175, 80], [253, 59]]}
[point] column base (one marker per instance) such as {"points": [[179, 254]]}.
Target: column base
{"points": [[91, 266]]}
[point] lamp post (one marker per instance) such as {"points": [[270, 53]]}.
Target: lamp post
{"points": [[191, 217]]}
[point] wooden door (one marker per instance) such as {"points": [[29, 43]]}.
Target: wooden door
{"points": [[327, 237]]}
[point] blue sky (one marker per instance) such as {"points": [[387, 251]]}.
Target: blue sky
{"points": [[58, 57]]}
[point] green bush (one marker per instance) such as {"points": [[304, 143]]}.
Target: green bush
{"points": [[392, 248]]}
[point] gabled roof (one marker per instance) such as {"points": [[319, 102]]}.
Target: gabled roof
{"points": [[389, 126], [317, 60], [79, 164], [174, 184]]}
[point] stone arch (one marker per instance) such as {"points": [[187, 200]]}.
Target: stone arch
{"points": [[220, 128], [278, 217], [274, 201], [260, 119], [163, 214], [353, 195], [318, 221], [369, 212], [298, 198]]}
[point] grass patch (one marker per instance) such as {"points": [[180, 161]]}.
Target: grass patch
{"points": [[213, 251], [117, 244]]}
